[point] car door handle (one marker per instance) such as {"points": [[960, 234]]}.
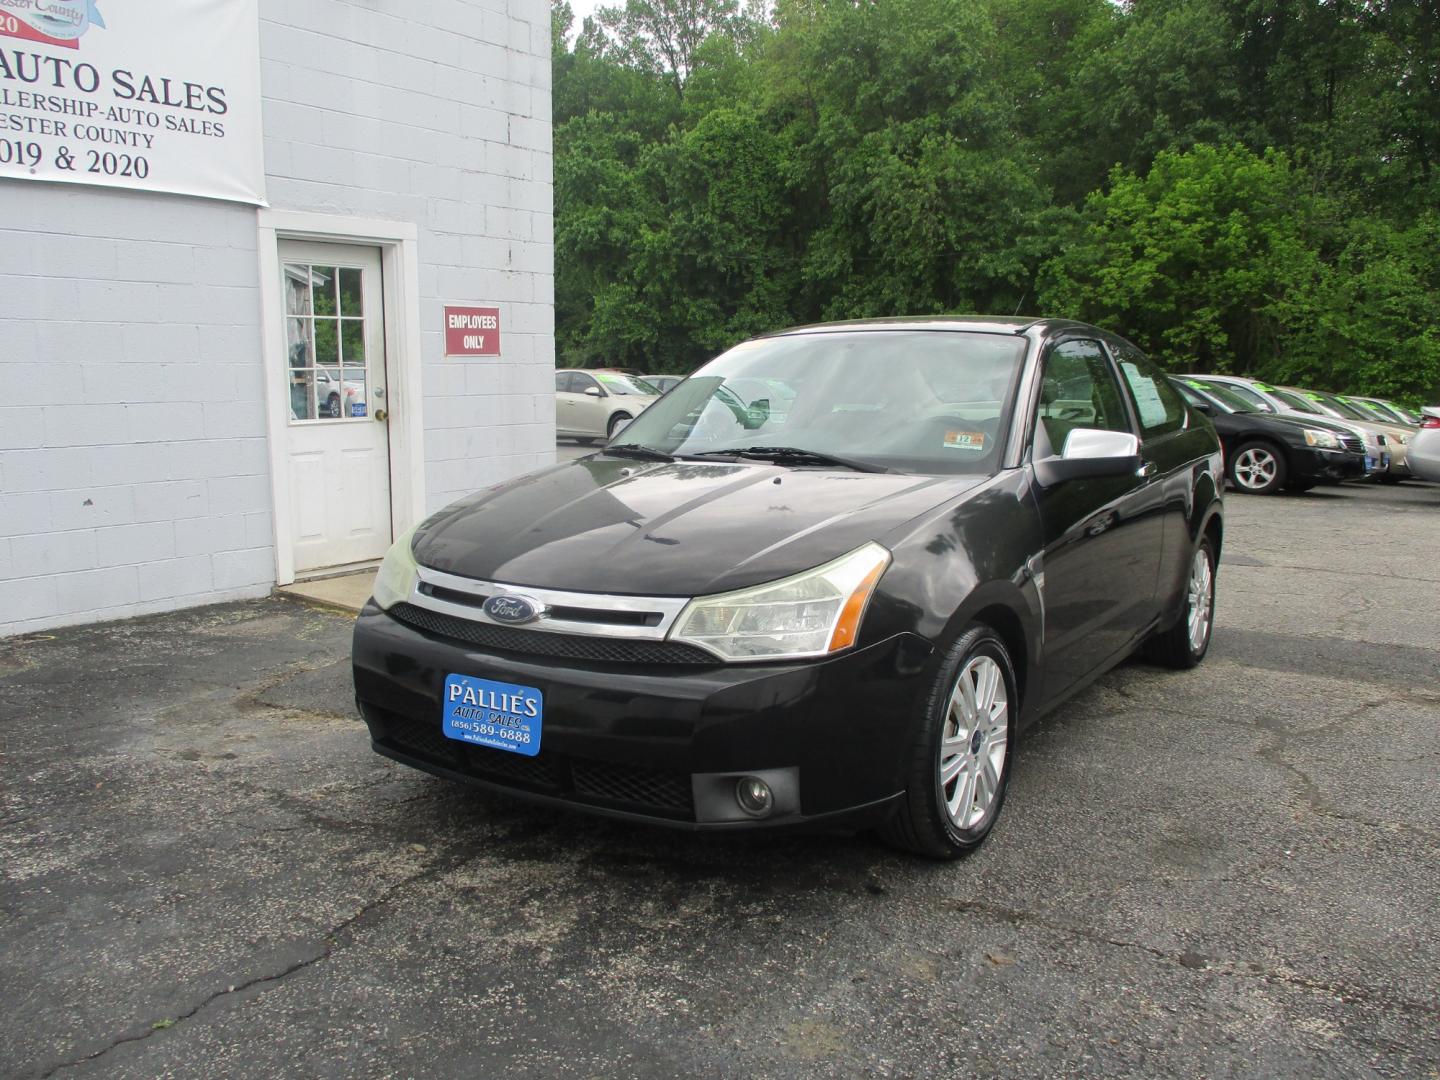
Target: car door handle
{"points": [[1146, 469]]}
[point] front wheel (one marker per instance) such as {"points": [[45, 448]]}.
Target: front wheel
{"points": [[1258, 468], [1185, 644], [959, 766], [615, 422]]}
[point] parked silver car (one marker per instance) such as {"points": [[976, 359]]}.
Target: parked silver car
{"points": [[1397, 436], [1425, 446], [592, 405]]}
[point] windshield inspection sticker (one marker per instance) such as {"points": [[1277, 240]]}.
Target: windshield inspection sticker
{"points": [[965, 440]]}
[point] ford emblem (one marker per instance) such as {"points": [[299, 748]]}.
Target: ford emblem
{"points": [[513, 609]]}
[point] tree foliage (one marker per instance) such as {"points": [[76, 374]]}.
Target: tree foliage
{"points": [[1238, 185]]}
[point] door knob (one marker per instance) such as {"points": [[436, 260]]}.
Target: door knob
{"points": [[381, 415]]}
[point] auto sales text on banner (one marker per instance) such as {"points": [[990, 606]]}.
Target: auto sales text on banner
{"points": [[162, 95]]}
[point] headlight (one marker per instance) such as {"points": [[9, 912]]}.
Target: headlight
{"points": [[397, 576], [1324, 439], [811, 614]]}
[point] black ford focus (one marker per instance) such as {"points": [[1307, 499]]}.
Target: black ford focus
{"points": [[825, 580]]}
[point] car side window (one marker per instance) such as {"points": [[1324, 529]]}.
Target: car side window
{"points": [[1157, 403], [580, 382], [562, 382], [1078, 390]]}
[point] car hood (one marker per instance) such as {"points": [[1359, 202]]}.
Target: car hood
{"points": [[681, 529]]}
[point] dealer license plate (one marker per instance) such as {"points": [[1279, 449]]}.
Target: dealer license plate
{"points": [[502, 716]]}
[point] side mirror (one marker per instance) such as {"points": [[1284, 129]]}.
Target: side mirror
{"points": [[1090, 452], [594, 391]]}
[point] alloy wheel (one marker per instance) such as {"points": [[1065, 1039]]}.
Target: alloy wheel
{"points": [[1255, 468], [973, 742], [1202, 599]]}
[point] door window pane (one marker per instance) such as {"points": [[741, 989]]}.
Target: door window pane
{"points": [[349, 291], [1078, 390], [322, 287], [297, 289], [327, 341], [299, 347], [302, 394], [352, 342]]}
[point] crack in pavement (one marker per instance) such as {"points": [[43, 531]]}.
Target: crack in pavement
{"points": [[438, 868]]}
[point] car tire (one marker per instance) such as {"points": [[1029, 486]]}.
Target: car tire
{"points": [[1185, 644], [615, 422], [332, 406], [941, 816], [1258, 468]]}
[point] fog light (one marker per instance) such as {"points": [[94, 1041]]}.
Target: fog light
{"points": [[754, 796]]}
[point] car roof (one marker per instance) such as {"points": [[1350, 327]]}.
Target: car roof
{"points": [[980, 324]]}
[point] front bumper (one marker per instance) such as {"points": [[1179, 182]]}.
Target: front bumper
{"points": [[1311, 464], [656, 741]]}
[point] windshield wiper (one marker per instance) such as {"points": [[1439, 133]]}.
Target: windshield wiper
{"points": [[635, 450], [794, 455]]}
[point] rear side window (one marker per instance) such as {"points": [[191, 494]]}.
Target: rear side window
{"points": [[562, 382], [1157, 403]]}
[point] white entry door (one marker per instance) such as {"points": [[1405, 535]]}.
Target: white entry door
{"points": [[338, 452]]}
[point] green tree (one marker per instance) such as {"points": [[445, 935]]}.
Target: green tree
{"points": [[1191, 259]]}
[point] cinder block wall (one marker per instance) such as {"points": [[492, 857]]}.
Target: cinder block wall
{"points": [[134, 470]]}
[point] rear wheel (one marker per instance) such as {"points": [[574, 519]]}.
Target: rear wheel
{"points": [[959, 766], [1258, 468], [1185, 644]]}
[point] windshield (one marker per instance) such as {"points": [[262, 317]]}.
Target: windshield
{"points": [[922, 401], [1255, 402], [1227, 397], [1404, 415], [1295, 401], [623, 385], [1345, 409]]}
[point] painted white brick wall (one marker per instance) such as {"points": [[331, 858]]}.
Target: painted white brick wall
{"points": [[134, 470]]}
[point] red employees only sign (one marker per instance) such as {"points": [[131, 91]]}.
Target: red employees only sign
{"points": [[472, 331]]}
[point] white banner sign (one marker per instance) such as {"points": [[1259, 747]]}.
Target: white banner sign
{"points": [[162, 95]]}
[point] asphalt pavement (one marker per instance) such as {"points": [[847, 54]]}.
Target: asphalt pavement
{"points": [[1230, 872]]}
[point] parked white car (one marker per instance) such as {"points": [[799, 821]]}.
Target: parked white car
{"points": [[591, 405], [336, 397]]}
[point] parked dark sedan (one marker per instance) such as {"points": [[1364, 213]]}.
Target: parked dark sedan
{"points": [[1265, 452], [839, 611]]}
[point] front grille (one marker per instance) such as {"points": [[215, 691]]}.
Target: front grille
{"points": [[624, 784], [626, 787], [1352, 443], [542, 643]]}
